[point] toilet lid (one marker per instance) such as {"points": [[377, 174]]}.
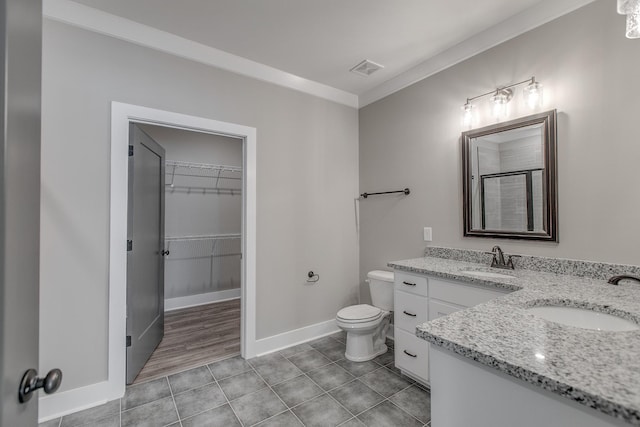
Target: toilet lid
{"points": [[359, 313]]}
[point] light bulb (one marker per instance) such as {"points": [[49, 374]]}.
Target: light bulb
{"points": [[626, 7], [633, 25], [467, 117], [500, 101], [533, 94]]}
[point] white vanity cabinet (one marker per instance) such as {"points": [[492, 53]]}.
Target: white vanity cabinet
{"points": [[411, 307], [419, 298]]}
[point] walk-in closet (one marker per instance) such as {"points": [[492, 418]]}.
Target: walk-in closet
{"points": [[203, 180]]}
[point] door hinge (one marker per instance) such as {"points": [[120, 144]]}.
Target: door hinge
{"points": [[129, 245], [128, 340], [130, 150]]}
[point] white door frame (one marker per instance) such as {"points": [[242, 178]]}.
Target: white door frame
{"points": [[121, 115]]}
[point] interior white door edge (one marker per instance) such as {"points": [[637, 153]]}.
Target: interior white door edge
{"points": [[121, 116]]}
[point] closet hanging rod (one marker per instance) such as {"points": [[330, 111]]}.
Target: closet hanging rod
{"points": [[207, 237], [208, 166], [193, 175], [405, 191]]}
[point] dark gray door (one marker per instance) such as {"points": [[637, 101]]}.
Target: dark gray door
{"points": [[145, 260], [20, 56]]}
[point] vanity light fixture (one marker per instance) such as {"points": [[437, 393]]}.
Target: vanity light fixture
{"points": [[533, 94], [468, 116], [500, 98], [626, 7], [631, 8], [633, 26]]}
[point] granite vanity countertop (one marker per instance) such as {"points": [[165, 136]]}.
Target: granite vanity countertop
{"points": [[599, 369]]}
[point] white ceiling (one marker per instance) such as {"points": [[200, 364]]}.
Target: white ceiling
{"points": [[320, 40], [310, 45]]}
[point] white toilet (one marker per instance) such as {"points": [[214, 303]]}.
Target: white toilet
{"points": [[366, 326]]}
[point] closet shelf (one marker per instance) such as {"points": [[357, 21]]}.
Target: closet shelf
{"points": [[203, 246], [203, 237], [193, 175]]}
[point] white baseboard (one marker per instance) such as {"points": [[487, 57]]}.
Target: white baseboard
{"points": [[296, 336], [70, 401], [67, 402], [200, 299]]}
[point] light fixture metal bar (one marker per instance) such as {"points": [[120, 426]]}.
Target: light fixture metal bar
{"points": [[530, 80]]}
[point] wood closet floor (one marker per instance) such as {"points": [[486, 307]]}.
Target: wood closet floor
{"points": [[193, 337]]}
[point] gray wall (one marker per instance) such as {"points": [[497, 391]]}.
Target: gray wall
{"points": [[412, 139], [194, 207], [307, 178]]}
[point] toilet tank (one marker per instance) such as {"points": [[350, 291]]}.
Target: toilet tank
{"points": [[381, 288]]}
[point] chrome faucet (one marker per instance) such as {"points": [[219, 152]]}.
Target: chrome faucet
{"points": [[498, 259], [616, 279]]}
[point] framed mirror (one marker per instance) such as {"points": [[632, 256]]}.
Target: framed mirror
{"points": [[509, 179]]}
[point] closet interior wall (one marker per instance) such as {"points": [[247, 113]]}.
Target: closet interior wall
{"points": [[203, 215]]}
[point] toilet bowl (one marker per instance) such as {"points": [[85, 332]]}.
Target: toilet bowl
{"points": [[367, 325]]}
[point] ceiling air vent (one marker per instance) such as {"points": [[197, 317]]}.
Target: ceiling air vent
{"points": [[366, 68]]}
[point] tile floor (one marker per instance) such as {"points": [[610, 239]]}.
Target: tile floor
{"points": [[307, 385]]}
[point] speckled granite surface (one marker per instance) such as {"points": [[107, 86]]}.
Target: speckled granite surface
{"points": [[595, 368], [594, 270]]}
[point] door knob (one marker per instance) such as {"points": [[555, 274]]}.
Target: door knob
{"points": [[30, 383], [165, 253]]}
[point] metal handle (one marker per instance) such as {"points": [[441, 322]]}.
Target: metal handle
{"points": [[30, 383], [165, 253], [409, 283], [409, 354], [409, 314]]}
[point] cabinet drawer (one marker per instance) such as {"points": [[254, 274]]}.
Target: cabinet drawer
{"points": [[411, 283], [463, 295], [412, 354], [409, 310], [440, 309]]}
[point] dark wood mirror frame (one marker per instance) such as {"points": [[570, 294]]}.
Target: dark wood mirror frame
{"points": [[550, 220]]}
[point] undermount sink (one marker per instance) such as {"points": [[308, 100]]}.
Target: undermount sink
{"points": [[487, 274], [583, 318]]}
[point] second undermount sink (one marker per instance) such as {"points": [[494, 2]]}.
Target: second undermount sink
{"points": [[487, 274], [583, 318]]}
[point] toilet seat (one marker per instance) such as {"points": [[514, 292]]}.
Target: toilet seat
{"points": [[361, 313]]}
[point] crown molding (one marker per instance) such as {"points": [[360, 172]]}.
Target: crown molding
{"points": [[88, 18], [514, 26]]}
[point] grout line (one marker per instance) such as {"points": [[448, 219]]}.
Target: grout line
{"points": [[230, 356], [327, 392], [302, 373], [358, 378], [173, 399], [196, 388], [333, 398], [277, 395], [387, 399], [225, 396]]}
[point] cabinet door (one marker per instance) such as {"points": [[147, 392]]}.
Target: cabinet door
{"points": [[410, 311], [440, 309], [412, 354]]}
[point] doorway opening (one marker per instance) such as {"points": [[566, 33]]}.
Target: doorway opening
{"points": [[200, 255], [122, 116]]}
